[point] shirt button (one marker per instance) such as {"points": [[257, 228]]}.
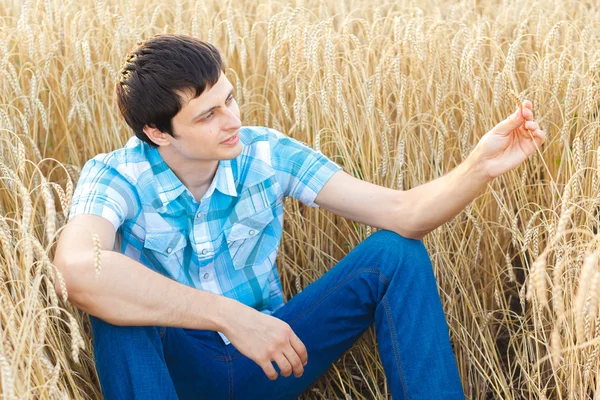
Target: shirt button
{"points": [[204, 251], [198, 215], [169, 250], [251, 232], [206, 275]]}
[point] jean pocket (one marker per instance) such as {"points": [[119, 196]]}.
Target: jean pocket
{"points": [[245, 239]]}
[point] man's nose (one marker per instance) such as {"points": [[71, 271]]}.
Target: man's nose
{"points": [[233, 121]]}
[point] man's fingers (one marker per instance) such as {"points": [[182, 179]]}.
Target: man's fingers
{"points": [[527, 114], [531, 125], [294, 361], [536, 133], [527, 104], [299, 348], [514, 121], [284, 365], [269, 370], [539, 135]]}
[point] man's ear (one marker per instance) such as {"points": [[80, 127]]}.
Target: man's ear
{"points": [[156, 136]]}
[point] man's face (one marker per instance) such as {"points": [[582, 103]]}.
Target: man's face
{"points": [[203, 123]]}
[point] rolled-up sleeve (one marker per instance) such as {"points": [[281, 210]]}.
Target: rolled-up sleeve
{"points": [[101, 190], [301, 171]]}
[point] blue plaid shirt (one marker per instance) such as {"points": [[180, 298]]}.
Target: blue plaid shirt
{"points": [[227, 243]]}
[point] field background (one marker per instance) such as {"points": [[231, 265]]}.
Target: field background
{"points": [[397, 93]]}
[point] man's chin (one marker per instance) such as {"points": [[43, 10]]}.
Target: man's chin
{"points": [[233, 152]]}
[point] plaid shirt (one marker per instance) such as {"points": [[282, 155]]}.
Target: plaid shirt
{"points": [[227, 243]]}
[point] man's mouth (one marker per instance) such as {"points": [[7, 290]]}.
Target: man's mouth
{"points": [[231, 140]]}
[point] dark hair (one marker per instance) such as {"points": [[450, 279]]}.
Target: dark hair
{"points": [[157, 72]]}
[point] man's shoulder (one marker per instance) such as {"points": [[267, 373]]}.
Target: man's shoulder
{"points": [[251, 135], [129, 161], [269, 146], [257, 142], [260, 141]]}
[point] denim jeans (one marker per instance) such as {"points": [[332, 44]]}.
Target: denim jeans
{"points": [[387, 280]]}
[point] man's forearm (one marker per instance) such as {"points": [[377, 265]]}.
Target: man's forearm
{"points": [[430, 205], [129, 293]]}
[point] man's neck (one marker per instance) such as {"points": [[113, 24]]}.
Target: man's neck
{"points": [[195, 175]]}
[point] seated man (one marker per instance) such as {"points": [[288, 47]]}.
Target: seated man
{"points": [[188, 303]]}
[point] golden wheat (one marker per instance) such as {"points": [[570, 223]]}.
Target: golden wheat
{"points": [[396, 93]]}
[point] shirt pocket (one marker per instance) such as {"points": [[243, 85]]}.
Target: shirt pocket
{"points": [[165, 251], [246, 237]]}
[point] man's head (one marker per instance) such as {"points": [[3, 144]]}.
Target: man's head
{"points": [[173, 92]]}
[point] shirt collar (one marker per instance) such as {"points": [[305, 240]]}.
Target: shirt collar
{"points": [[169, 187], [223, 180]]}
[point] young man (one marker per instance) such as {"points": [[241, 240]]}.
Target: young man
{"points": [[188, 303]]}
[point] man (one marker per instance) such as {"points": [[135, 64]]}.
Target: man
{"points": [[189, 304]]}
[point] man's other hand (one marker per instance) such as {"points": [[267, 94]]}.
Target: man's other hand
{"points": [[264, 339]]}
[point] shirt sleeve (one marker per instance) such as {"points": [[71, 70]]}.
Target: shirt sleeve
{"points": [[101, 190], [301, 171]]}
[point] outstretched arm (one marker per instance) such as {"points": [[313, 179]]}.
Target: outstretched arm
{"points": [[414, 213]]}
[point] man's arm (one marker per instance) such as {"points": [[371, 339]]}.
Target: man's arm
{"points": [[412, 213], [418, 211], [126, 292]]}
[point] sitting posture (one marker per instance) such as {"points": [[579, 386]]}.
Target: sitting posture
{"points": [[171, 244]]}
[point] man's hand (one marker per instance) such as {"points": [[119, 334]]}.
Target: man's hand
{"points": [[510, 142], [264, 339]]}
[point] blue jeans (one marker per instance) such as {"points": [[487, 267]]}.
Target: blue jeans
{"points": [[386, 280]]}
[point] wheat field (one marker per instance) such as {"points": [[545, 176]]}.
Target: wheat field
{"points": [[397, 93]]}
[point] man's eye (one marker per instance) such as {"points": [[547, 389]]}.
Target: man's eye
{"points": [[229, 99], [210, 114]]}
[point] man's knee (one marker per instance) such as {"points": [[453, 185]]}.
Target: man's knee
{"points": [[399, 253], [389, 241]]}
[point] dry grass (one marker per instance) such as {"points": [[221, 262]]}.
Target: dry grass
{"points": [[398, 94]]}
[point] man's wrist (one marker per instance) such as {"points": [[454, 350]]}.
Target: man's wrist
{"points": [[209, 311], [475, 168], [224, 311]]}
